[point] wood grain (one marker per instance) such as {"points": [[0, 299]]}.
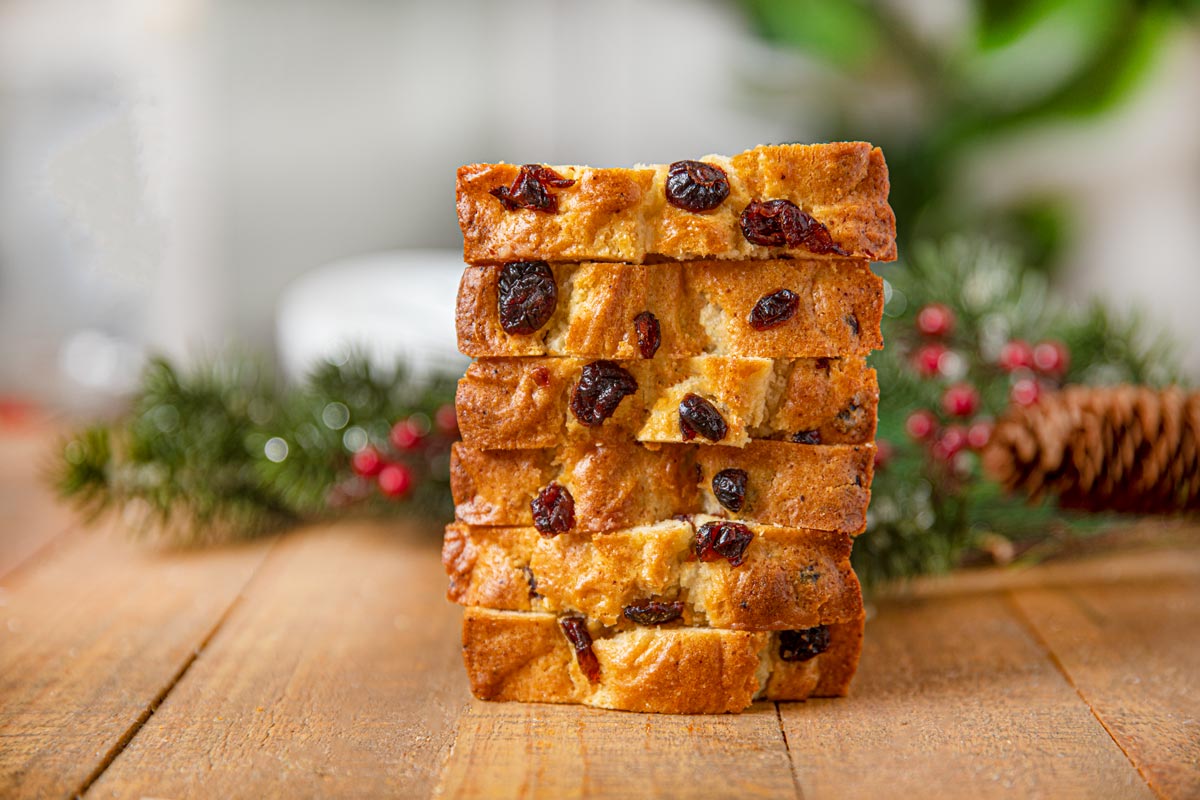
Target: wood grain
{"points": [[340, 674], [91, 636], [1132, 650], [955, 698], [543, 751], [30, 515], [327, 664]]}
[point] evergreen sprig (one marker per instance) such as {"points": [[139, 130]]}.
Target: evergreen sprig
{"points": [[222, 451], [925, 513]]}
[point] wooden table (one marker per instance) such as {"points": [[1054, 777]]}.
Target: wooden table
{"points": [[325, 663]]}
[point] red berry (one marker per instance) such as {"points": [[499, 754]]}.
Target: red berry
{"points": [[446, 420], [1015, 355], [366, 462], [961, 400], [1026, 392], [978, 434], [935, 319], [920, 425], [395, 480], [928, 358], [406, 434], [884, 452], [1051, 358], [950, 443]]}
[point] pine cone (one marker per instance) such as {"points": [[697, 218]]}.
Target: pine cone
{"points": [[1124, 448]]}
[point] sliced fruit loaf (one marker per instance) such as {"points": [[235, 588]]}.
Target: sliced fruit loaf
{"points": [[702, 571], [805, 307], [519, 403], [622, 484], [835, 196], [527, 657]]}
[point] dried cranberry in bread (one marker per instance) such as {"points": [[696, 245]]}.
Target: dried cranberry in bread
{"points": [[520, 403], [839, 192], [786, 579], [622, 484], [524, 656], [702, 307]]}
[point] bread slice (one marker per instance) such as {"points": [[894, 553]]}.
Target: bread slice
{"points": [[623, 214], [699, 307], [521, 403], [787, 578], [622, 484], [523, 656]]}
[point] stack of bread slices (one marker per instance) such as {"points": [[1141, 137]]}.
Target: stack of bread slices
{"points": [[668, 429]]}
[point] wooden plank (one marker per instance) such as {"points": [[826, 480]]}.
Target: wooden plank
{"points": [[340, 674], [955, 699], [1132, 650], [91, 636], [30, 514], [514, 750], [1152, 563]]}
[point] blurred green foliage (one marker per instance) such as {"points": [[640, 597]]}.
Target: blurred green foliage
{"points": [[1023, 63], [221, 451]]}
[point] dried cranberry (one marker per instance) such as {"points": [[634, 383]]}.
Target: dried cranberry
{"points": [[809, 573], [696, 186], [729, 485], [698, 416], [575, 629], [649, 334], [774, 309], [807, 437], [528, 189], [779, 223], [601, 388], [727, 540], [653, 612], [531, 579], [851, 418], [804, 644], [528, 296], [541, 376], [553, 510]]}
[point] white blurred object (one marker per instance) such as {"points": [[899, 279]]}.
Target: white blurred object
{"points": [[389, 305]]}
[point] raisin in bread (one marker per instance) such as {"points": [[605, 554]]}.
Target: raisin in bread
{"points": [[769, 577], [778, 308], [622, 484], [520, 403], [832, 199], [527, 657]]}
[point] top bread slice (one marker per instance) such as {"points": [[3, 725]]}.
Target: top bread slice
{"points": [[623, 214]]}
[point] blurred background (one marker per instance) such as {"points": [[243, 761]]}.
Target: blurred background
{"points": [[171, 170]]}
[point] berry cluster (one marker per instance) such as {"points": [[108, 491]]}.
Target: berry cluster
{"points": [[959, 423], [392, 468], [1033, 368]]}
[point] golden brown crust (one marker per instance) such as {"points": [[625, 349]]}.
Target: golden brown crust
{"points": [[623, 484], [701, 307], [790, 578], [522, 403], [525, 657], [622, 214]]}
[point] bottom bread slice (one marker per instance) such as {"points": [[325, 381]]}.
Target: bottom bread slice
{"points": [[526, 656]]}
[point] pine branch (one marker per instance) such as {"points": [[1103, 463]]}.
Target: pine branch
{"points": [[221, 452], [924, 524]]}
